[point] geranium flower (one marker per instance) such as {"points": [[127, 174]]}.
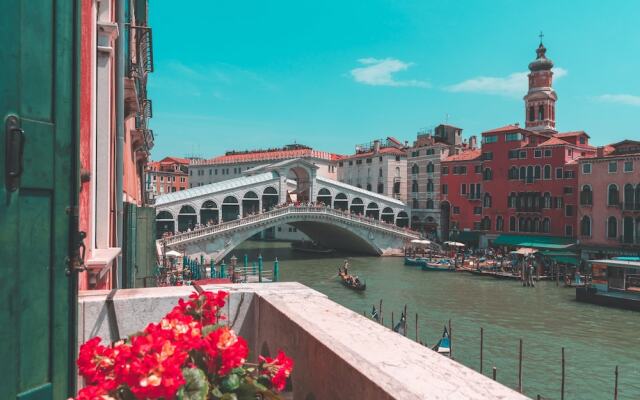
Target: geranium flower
{"points": [[93, 392], [96, 362], [225, 350], [277, 369]]}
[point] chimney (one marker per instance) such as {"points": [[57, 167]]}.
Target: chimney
{"points": [[376, 146], [473, 142], [600, 151]]}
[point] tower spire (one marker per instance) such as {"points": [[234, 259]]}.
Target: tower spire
{"points": [[540, 100], [541, 35]]}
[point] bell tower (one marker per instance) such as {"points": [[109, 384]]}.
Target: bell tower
{"points": [[540, 100]]}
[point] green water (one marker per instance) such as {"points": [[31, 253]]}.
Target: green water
{"points": [[546, 318]]}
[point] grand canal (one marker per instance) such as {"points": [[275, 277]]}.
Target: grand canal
{"points": [[546, 318]]}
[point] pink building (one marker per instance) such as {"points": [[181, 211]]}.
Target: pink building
{"points": [[609, 205]]}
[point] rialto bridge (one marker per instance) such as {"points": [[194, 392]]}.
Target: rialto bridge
{"points": [[213, 219]]}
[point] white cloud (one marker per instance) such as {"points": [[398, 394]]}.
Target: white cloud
{"points": [[627, 99], [379, 72], [512, 85]]}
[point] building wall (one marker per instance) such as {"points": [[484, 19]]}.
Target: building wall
{"points": [[368, 170], [464, 215]]}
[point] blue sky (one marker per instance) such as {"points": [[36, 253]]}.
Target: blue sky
{"points": [[332, 74]]}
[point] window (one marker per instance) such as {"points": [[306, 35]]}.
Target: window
{"points": [[430, 152], [380, 188], [537, 172], [585, 226], [547, 171], [559, 173], [568, 190], [513, 154], [380, 172], [586, 168], [628, 166], [415, 203], [541, 112], [490, 139], [512, 137], [613, 167], [547, 200], [368, 186], [358, 162], [546, 225], [445, 188], [487, 155], [511, 200], [569, 174], [350, 162], [613, 197], [537, 153], [430, 205], [523, 173], [368, 161], [568, 230], [499, 223], [487, 201], [463, 188], [582, 140], [487, 175], [414, 186], [415, 169], [430, 168], [397, 158], [522, 154], [429, 186], [532, 113], [612, 228], [456, 210], [586, 196], [445, 170], [191, 172], [547, 153], [477, 169], [629, 194], [568, 210], [341, 164], [513, 173], [477, 210]]}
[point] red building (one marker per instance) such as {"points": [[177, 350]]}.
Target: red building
{"points": [[171, 174], [460, 190]]}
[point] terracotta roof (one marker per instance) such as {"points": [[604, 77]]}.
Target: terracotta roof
{"points": [[176, 160], [505, 128], [554, 141], [467, 155], [270, 155], [383, 150], [573, 133]]}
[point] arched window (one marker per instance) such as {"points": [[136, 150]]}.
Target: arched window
{"points": [[540, 113], [414, 186], [529, 173], [430, 205], [512, 224], [430, 186], [586, 196], [637, 202], [536, 225], [486, 174], [397, 172], [614, 197], [546, 225], [415, 169], [547, 199], [430, 167], [486, 223], [521, 225], [585, 226], [416, 203], [612, 228], [511, 200], [380, 172], [547, 172], [629, 194], [487, 200], [499, 223], [513, 173], [164, 215], [537, 171], [532, 113], [523, 173], [381, 187], [368, 186]]}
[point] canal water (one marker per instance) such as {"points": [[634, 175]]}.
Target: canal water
{"points": [[546, 318]]}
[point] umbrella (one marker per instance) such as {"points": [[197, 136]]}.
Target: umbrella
{"points": [[454, 244], [418, 241], [525, 251], [173, 253]]}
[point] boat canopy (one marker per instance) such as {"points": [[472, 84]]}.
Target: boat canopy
{"points": [[536, 242], [454, 244], [524, 251], [421, 242]]}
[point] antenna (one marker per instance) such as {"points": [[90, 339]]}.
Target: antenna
{"points": [[446, 118]]}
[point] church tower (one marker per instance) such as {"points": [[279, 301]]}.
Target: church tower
{"points": [[540, 101]]}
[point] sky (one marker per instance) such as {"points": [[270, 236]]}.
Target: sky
{"points": [[238, 75]]}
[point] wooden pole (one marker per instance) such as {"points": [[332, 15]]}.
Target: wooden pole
{"points": [[494, 373], [392, 321], [380, 311], [481, 346], [562, 384], [450, 341], [417, 327], [615, 387], [520, 368], [404, 324]]}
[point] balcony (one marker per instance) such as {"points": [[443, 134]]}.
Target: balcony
{"points": [[337, 352]]}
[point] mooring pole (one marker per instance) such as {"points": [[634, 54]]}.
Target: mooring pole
{"points": [[562, 384], [494, 373], [520, 368], [481, 346], [380, 310], [615, 387], [404, 324], [450, 341], [392, 321], [417, 327], [276, 270]]}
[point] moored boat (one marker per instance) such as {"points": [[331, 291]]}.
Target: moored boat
{"points": [[307, 246], [444, 345], [441, 265], [415, 261]]}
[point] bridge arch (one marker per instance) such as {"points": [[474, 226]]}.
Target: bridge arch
{"points": [[341, 202], [270, 198], [187, 218], [165, 223], [209, 213], [357, 206], [402, 219], [250, 203], [230, 208], [373, 211], [387, 215], [324, 196], [302, 177]]}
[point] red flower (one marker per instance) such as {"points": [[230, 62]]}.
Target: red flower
{"points": [[225, 350], [277, 369], [93, 393], [202, 307], [96, 362], [181, 329]]}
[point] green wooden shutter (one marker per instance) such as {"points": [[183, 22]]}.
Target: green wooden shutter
{"points": [[37, 296]]}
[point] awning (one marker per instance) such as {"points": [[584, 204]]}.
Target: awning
{"points": [[537, 242], [563, 257], [468, 237]]}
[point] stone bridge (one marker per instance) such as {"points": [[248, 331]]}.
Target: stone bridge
{"points": [[329, 227], [350, 217]]}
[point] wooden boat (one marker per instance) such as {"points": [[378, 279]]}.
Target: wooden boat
{"points": [[442, 265], [444, 345], [414, 262], [348, 281], [309, 247]]}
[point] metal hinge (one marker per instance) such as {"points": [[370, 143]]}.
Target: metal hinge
{"points": [[75, 263]]}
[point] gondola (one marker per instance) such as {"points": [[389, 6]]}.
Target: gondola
{"points": [[306, 246], [359, 286], [442, 265], [444, 345]]}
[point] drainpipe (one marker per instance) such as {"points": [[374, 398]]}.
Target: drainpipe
{"points": [[119, 92]]}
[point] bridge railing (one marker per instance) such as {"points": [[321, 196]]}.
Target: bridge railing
{"points": [[291, 209]]}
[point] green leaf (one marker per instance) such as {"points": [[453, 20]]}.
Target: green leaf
{"points": [[229, 396], [207, 329], [196, 386], [230, 383]]}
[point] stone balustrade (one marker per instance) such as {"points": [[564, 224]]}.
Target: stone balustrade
{"points": [[338, 353]]}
